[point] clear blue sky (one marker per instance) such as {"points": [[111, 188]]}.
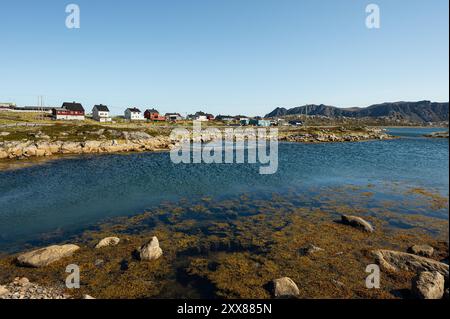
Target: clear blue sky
{"points": [[223, 56]]}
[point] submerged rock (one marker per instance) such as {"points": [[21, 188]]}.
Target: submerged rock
{"points": [[310, 250], [394, 261], [151, 250], [422, 250], [45, 256], [285, 288], [357, 222], [108, 241], [429, 285]]}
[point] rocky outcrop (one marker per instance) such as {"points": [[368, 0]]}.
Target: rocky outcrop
{"points": [[357, 222], [151, 250], [45, 256], [429, 285], [108, 241], [20, 149], [326, 136], [438, 135], [394, 261], [421, 250], [285, 288], [22, 288]]}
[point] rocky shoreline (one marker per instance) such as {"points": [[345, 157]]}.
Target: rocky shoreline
{"points": [[27, 149], [136, 141], [339, 136]]}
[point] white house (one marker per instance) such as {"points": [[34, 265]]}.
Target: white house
{"points": [[101, 113], [173, 117], [134, 114]]}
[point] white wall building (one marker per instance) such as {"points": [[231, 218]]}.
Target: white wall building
{"points": [[134, 114], [101, 113]]}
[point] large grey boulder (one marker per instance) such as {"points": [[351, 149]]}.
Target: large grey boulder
{"points": [[422, 250], [151, 250], [45, 256], [394, 261], [357, 222], [429, 285], [285, 288], [108, 241]]}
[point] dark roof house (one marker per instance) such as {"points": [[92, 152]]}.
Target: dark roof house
{"points": [[73, 106], [134, 110], [101, 108]]}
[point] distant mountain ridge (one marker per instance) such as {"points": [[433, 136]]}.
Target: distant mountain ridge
{"points": [[422, 111]]}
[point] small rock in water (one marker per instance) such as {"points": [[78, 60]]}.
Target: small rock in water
{"points": [[422, 250], [108, 241], [88, 297], [309, 250], [285, 288], [357, 222], [429, 285], [99, 263], [338, 283], [151, 250]]}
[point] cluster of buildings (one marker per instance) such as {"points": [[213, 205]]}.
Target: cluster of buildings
{"points": [[73, 111]]}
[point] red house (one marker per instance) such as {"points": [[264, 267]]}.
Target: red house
{"points": [[153, 115], [69, 111]]}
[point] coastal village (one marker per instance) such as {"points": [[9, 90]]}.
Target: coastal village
{"points": [[73, 111], [41, 132]]}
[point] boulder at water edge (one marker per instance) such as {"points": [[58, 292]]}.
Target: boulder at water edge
{"points": [[285, 288], [429, 285], [151, 250], [45, 256]]}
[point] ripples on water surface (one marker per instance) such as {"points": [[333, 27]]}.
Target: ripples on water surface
{"points": [[68, 195]]}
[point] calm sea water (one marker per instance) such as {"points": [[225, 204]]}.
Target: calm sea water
{"points": [[71, 194]]}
